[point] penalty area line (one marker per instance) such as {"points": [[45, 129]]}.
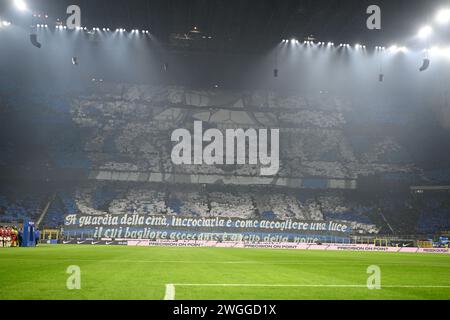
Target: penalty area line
{"points": [[302, 285], [170, 288], [170, 292]]}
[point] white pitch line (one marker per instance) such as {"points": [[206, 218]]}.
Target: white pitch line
{"points": [[302, 285], [170, 292], [170, 288]]}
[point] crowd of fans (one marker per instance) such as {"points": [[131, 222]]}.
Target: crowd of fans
{"points": [[129, 130], [398, 213], [118, 198]]}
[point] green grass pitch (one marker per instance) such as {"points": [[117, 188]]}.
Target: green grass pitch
{"points": [[122, 272]]}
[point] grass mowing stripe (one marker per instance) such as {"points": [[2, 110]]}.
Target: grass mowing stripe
{"points": [[217, 262]]}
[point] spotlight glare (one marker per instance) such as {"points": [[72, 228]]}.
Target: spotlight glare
{"points": [[396, 49], [443, 16], [20, 4], [425, 32], [434, 50], [446, 52]]}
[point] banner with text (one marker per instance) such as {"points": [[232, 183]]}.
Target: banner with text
{"points": [[175, 227]]}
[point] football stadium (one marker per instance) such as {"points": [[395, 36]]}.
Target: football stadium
{"points": [[224, 150]]}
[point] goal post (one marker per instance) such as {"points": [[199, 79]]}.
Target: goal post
{"points": [[381, 242]]}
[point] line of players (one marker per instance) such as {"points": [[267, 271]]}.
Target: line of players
{"points": [[9, 236]]}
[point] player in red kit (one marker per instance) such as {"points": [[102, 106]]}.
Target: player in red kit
{"points": [[7, 236], [2, 242]]}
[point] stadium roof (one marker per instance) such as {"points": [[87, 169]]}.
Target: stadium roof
{"points": [[249, 25]]}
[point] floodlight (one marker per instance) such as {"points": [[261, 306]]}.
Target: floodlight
{"points": [[425, 32], [443, 16], [20, 4]]}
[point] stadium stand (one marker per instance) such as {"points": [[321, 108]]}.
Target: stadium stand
{"points": [[122, 132]]}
